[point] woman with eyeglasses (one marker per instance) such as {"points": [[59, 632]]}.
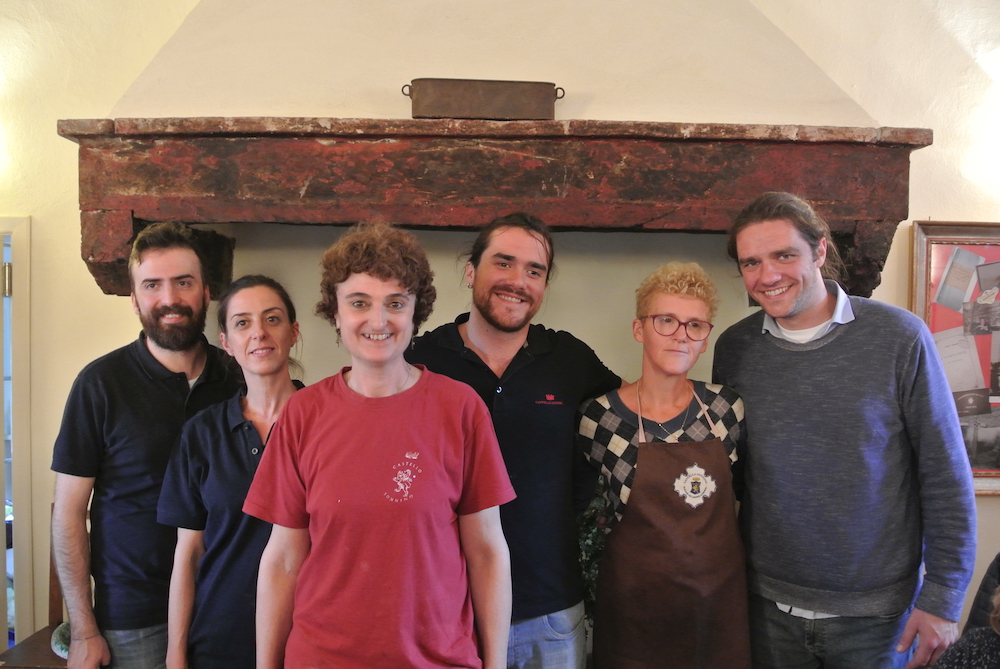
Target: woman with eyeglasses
{"points": [[671, 591]]}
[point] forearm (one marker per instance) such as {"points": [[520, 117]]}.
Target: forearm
{"points": [[488, 561], [490, 583], [276, 579], [182, 592], [947, 499], [71, 551], [275, 596]]}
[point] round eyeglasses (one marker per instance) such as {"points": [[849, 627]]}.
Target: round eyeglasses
{"points": [[666, 325]]}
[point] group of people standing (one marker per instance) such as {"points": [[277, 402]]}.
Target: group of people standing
{"points": [[419, 508]]}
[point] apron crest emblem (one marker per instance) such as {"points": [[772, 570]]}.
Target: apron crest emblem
{"points": [[695, 486]]}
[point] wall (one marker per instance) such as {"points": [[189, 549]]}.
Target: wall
{"points": [[62, 59], [849, 62]]}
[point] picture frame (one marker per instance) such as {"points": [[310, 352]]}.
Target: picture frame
{"points": [[955, 289]]}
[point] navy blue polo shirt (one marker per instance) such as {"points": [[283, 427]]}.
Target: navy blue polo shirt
{"points": [[207, 481], [123, 416], [534, 408]]}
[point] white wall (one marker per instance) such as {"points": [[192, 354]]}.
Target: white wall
{"points": [[843, 62], [63, 59]]}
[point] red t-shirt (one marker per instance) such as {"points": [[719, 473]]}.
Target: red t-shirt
{"points": [[380, 483]]}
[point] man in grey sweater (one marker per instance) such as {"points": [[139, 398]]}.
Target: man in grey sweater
{"points": [[855, 469]]}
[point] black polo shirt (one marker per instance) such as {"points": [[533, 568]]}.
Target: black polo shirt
{"points": [[207, 481], [534, 408], [122, 418]]}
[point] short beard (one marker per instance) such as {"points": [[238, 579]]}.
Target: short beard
{"points": [[482, 304], [179, 337]]}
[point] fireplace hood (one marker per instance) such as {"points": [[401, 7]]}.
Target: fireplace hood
{"points": [[458, 174]]}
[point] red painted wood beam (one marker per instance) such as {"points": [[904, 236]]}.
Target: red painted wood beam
{"points": [[575, 175]]}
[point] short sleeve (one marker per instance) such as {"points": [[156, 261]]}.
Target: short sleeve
{"points": [[485, 480], [278, 492], [79, 448], [181, 503]]}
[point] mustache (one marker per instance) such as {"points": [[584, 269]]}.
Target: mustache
{"points": [[507, 288], [177, 309]]}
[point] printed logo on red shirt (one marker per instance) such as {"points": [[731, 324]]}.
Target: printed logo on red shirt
{"points": [[404, 476]]}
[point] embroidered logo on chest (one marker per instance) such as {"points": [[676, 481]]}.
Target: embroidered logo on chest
{"points": [[694, 486], [404, 475]]}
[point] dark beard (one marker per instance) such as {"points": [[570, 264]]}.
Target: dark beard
{"points": [[180, 337], [484, 309]]}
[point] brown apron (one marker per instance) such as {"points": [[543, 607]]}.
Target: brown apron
{"points": [[671, 591]]}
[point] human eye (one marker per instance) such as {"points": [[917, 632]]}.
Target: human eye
{"points": [[150, 285], [273, 319], [668, 321], [358, 304], [698, 327], [748, 264], [240, 323]]}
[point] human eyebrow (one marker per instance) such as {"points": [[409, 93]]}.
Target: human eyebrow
{"points": [[790, 250]]}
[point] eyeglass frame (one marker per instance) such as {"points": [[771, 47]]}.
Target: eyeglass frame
{"points": [[680, 323]]}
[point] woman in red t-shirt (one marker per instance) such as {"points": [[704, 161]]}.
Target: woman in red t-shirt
{"points": [[383, 483]]}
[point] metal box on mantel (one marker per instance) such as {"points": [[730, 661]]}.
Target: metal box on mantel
{"points": [[483, 99]]}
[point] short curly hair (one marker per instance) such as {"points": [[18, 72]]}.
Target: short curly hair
{"points": [[385, 252], [677, 278]]}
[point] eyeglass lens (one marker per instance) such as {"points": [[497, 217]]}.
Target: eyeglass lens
{"points": [[667, 325]]}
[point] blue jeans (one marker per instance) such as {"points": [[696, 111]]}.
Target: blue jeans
{"points": [[144, 648], [780, 640], [554, 641]]}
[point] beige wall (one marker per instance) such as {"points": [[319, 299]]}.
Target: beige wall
{"points": [[850, 62]]}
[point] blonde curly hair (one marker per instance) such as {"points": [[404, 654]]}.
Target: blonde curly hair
{"points": [[677, 278]]}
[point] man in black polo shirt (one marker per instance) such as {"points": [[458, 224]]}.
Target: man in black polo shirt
{"points": [[122, 417], [532, 379]]}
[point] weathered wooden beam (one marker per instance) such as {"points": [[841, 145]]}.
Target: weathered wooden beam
{"points": [[575, 175]]}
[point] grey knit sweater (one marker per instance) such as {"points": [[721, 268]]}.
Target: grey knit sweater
{"points": [[855, 467]]}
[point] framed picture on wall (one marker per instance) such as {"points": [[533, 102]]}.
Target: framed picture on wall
{"points": [[955, 288]]}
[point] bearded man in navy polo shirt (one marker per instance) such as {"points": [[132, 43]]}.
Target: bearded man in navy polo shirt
{"points": [[122, 417], [532, 379]]}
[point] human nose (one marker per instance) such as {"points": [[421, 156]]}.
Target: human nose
{"points": [[258, 331], [681, 333], [379, 317], [170, 295], [769, 272]]}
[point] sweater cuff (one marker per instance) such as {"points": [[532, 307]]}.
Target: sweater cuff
{"points": [[940, 601]]}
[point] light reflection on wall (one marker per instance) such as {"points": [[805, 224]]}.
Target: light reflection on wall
{"points": [[980, 163]]}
